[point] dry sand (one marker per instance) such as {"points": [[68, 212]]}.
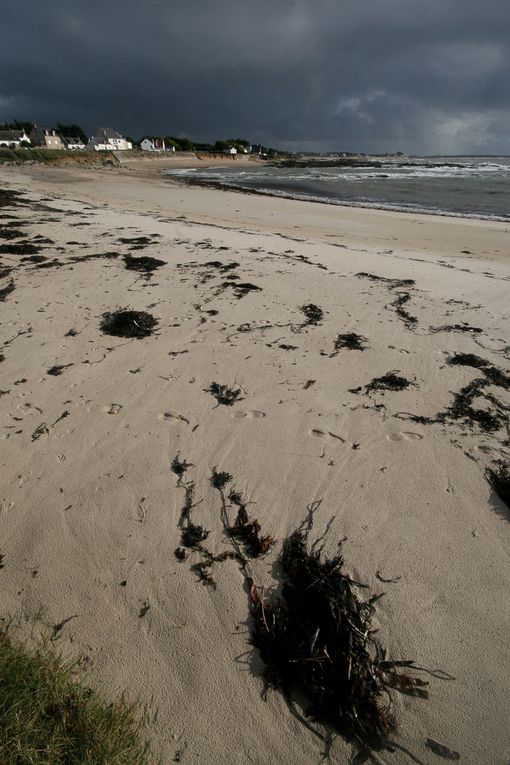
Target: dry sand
{"points": [[90, 508]]}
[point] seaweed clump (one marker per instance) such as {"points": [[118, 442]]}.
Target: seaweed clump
{"points": [[389, 381], [57, 369], [223, 394], [317, 639], [313, 313], [23, 248], [124, 323], [143, 264], [351, 341], [500, 481]]}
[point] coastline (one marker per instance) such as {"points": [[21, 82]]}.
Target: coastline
{"points": [[302, 197], [91, 504]]}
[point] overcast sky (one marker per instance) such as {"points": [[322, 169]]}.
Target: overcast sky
{"points": [[422, 76]]}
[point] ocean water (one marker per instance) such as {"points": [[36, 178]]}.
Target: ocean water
{"points": [[476, 187]]}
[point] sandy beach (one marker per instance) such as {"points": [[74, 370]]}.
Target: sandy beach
{"points": [[90, 508]]}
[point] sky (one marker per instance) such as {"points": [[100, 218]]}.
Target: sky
{"points": [[418, 76]]}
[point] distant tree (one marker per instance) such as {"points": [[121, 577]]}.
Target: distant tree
{"points": [[72, 130], [221, 146], [186, 144], [17, 125], [239, 142]]}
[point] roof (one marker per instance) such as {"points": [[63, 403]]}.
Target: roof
{"points": [[11, 135], [106, 133], [72, 139]]}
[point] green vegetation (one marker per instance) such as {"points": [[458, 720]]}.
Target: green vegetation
{"points": [[56, 155], [49, 717], [17, 125]]}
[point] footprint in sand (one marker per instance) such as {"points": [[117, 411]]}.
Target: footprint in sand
{"points": [[249, 415], [404, 436], [169, 416], [113, 408], [321, 434]]}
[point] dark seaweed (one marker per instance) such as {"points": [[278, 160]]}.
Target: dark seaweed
{"points": [[317, 639], [241, 288], [493, 374], [57, 369], [457, 328], [22, 248], [313, 313], [462, 409], [223, 394], [468, 360], [9, 198], [247, 531], [125, 323], [389, 381], [10, 233], [398, 304], [94, 256], [392, 282], [220, 479], [179, 467], [191, 534], [350, 341], [136, 241], [499, 479], [223, 267], [7, 290], [34, 259], [49, 264], [143, 264]]}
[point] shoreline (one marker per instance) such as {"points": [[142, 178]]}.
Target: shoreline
{"points": [[387, 207], [92, 509], [449, 236]]}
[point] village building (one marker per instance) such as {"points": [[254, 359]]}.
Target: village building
{"points": [[46, 138], [13, 138], [106, 139], [73, 142], [154, 144]]}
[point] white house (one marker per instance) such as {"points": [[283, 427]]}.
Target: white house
{"points": [[153, 144], [13, 137], [106, 139]]}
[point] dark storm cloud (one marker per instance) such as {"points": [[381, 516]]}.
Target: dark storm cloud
{"points": [[416, 75]]}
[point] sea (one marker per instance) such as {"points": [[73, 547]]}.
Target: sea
{"points": [[475, 187]]}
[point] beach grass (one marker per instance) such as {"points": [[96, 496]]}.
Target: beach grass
{"points": [[48, 716]]}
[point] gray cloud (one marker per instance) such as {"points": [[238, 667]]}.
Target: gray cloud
{"points": [[374, 75]]}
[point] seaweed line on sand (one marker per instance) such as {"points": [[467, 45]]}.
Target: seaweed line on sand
{"points": [[462, 408]]}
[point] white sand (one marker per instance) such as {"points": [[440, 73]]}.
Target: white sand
{"points": [[92, 502]]}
